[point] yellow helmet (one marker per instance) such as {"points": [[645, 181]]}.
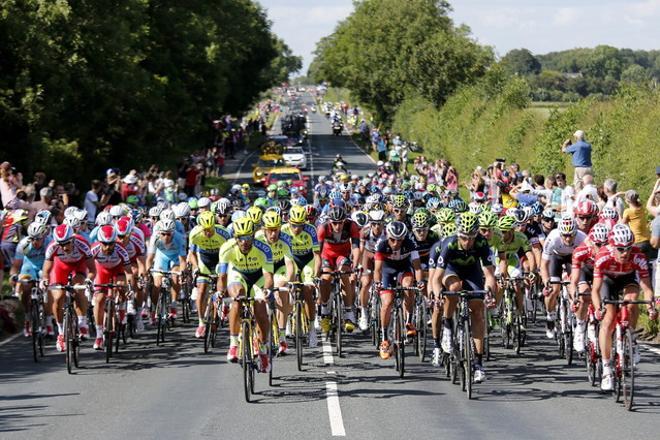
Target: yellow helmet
{"points": [[243, 226], [297, 215], [206, 220], [272, 219], [344, 178], [254, 213]]}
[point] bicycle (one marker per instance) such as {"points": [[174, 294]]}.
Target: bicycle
{"points": [[300, 318], [164, 298], [462, 357], [623, 353], [398, 328], [337, 309], [421, 324], [564, 324], [374, 315], [592, 357], [37, 317], [513, 322], [71, 329], [187, 284], [211, 317], [111, 322]]}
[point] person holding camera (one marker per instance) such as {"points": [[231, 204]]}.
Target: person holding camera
{"points": [[581, 151]]}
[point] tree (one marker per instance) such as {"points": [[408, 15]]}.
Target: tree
{"points": [[521, 62]]}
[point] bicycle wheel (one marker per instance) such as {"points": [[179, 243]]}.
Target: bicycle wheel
{"points": [[107, 333], [207, 323], [246, 356], [420, 323], [68, 338], [339, 315], [41, 330], [272, 345], [399, 342], [467, 358], [517, 334], [590, 363], [34, 320], [628, 371], [215, 324], [159, 317], [568, 342], [298, 317]]}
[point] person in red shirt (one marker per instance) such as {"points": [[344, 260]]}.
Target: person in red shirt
{"points": [[617, 268], [191, 180], [339, 238]]}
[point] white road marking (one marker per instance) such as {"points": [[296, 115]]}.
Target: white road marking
{"points": [[9, 339], [327, 354], [240, 168], [334, 410], [652, 349]]}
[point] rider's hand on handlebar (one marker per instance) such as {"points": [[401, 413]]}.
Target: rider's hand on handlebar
{"points": [[599, 314], [653, 313]]}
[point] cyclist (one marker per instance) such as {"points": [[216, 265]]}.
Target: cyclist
{"points": [[27, 264], [369, 237], [619, 267], [582, 273], [111, 265], [305, 249], [204, 243], [395, 259], [246, 268], [284, 269], [557, 255], [129, 238], [166, 252], [586, 215], [339, 240], [461, 264], [67, 254]]}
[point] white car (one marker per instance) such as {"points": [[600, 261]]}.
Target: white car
{"points": [[295, 157]]}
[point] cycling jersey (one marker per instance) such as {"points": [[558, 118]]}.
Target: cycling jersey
{"points": [[117, 258], [606, 264], [336, 247], [166, 255], [205, 248], [554, 244], [424, 247], [369, 240], [280, 250], [32, 258], [79, 251], [583, 256], [534, 233], [245, 269], [466, 264], [135, 247], [302, 245], [511, 249], [399, 259]]}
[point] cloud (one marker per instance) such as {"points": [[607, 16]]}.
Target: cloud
{"points": [[566, 16]]}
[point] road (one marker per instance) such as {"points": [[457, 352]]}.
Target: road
{"points": [[176, 391]]}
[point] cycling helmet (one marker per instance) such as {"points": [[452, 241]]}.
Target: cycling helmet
{"points": [[237, 204], [529, 211], [621, 236], [284, 205], [586, 208], [479, 197], [567, 226], [272, 219], [599, 233], [72, 221], [181, 210], [446, 215], [193, 203], [360, 218], [37, 230], [261, 202], [62, 233], [396, 230], [376, 215], [167, 214], [311, 211], [297, 215], [282, 193], [133, 199], [243, 226], [537, 208], [167, 225], [271, 188], [433, 203], [43, 217], [136, 215], [497, 208], [153, 212], [337, 214], [487, 219], [206, 220], [475, 208], [123, 226], [334, 195], [467, 224], [609, 213], [203, 202], [116, 211], [255, 213], [104, 218], [548, 214], [520, 215], [420, 219], [506, 223], [222, 206], [399, 201], [302, 201], [458, 205], [448, 229], [68, 212], [107, 234]]}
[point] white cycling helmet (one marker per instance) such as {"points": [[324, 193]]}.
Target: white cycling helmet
{"points": [[167, 225], [181, 210], [567, 226], [167, 214], [104, 218], [37, 230], [204, 202], [377, 215], [155, 211], [117, 211]]}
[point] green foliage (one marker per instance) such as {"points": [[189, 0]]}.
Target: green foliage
{"points": [[387, 50], [521, 62], [83, 85]]}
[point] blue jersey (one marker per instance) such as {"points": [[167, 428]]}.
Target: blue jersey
{"points": [[31, 257], [175, 249]]}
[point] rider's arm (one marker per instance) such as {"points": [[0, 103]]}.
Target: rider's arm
{"points": [[531, 258], [491, 282], [417, 266], [378, 271]]}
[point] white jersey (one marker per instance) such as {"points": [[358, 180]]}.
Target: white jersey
{"points": [[554, 245]]}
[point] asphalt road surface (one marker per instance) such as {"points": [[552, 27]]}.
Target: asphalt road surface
{"points": [[177, 391]]}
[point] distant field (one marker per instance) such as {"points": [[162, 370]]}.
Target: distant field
{"points": [[545, 107]]}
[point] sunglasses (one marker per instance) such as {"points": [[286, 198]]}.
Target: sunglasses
{"points": [[165, 234], [297, 225], [467, 237], [395, 240], [337, 222], [623, 250], [374, 223], [66, 243], [584, 217], [420, 230], [245, 238], [485, 230], [398, 211]]}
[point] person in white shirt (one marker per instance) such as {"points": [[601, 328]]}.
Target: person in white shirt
{"points": [[589, 190]]}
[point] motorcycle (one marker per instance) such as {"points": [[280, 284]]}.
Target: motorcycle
{"points": [[337, 129]]}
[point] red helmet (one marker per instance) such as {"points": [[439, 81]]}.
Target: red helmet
{"points": [[62, 233], [123, 226], [107, 234], [586, 208], [621, 236], [311, 211]]}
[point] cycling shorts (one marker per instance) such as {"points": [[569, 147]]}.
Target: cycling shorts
{"points": [[252, 284], [59, 274], [612, 287], [334, 262], [472, 279], [586, 275], [164, 263], [105, 275], [280, 275], [391, 277], [559, 263]]}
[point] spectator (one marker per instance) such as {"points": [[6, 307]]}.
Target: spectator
{"points": [[635, 217], [9, 183], [92, 202], [614, 199], [655, 243], [45, 199], [129, 185], [653, 203], [581, 151], [381, 147], [589, 190]]}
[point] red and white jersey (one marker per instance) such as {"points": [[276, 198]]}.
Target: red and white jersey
{"points": [[118, 256], [606, 263], [135, 246], [79, 251], [584, 255]]}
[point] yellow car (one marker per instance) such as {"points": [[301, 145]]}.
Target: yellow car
{"points": [[264, 165]]}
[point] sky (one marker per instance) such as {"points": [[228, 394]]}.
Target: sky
{"points": [[539, 25]]}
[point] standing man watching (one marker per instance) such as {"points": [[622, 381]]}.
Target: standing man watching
{"points": [[581, 151]]}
